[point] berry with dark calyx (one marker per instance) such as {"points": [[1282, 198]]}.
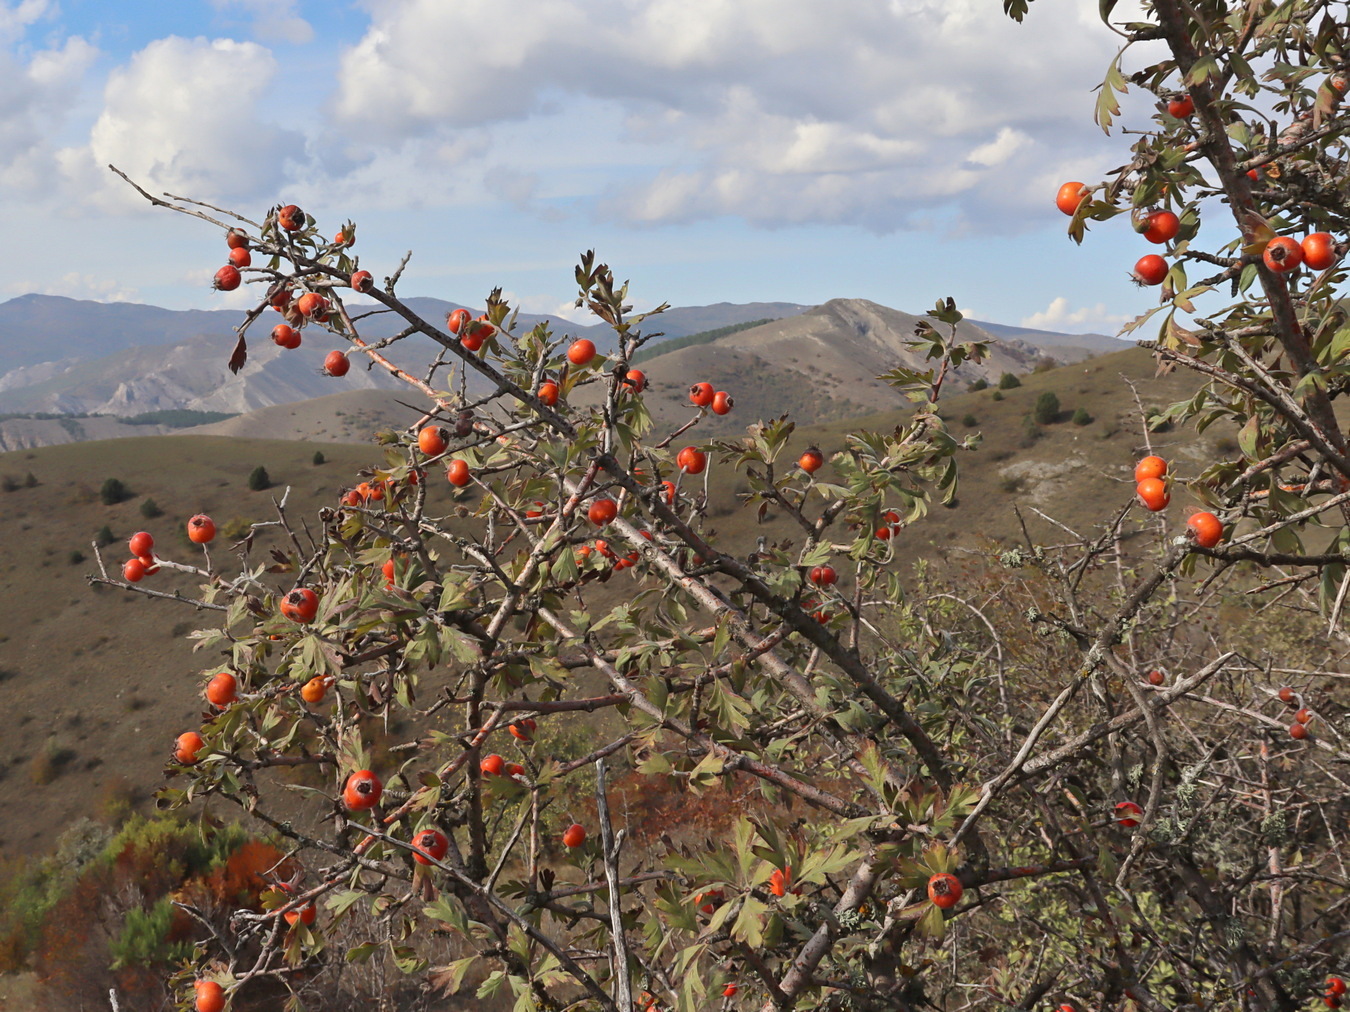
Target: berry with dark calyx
{"points": [[945, 890], [363, 791], [1282, 254], [431, 845], [701, 394]]}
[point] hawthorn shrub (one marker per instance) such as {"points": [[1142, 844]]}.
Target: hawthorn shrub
{"points": [[819, 741]]}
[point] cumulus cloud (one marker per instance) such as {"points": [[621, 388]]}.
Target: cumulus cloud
{"points": [[14, 18], [183, 116], [40, 86], [74, 285], [273, 21], [1058, 316], [782, 113]]}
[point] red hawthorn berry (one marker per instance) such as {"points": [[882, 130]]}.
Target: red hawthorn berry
{"points": [[227, 278], [1161, 227], [1150, 270], [200, 529], [431, 845], [335, 363], [1070, 195], [1283, 254], [945, 890], [301, 605], [455, 320], [209, 996], [222, 689], [581, 351], [602, 511], [691, 460], [363, 791]]}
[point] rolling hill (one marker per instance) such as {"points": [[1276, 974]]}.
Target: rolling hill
{"points": [[95, 714], [66, 356], [820, 366], [79, 357]]}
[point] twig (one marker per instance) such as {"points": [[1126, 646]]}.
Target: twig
{"points": [[610, 844]]}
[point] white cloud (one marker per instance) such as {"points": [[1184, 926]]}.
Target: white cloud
{"points": [[1000, 149], [780, 112], [15, 18], [547, 305], [40, 88], [1058, 316], [273, 21], [75, 285], [183, 116]]}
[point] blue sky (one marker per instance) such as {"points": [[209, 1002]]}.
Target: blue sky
{"points": [[709, 150]]}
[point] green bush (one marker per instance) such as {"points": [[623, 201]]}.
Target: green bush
{"points": [[979, 384], [30, 480], [969, 420], [150, 509], [104, 536], [143, 940], [1047, 408], [319, 458], [1081, 417], [998, 395], [1007, 381], [113, 492], [258, 479]]}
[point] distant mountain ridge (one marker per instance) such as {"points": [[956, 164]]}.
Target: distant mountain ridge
{"points": [[70, 356], [1066, 347]]}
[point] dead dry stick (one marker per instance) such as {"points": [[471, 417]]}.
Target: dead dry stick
{"points": [[610, 844]]}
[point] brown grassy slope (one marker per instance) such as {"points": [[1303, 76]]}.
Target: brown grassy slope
{"points": [[98, 681], [346, 417], [107, 677], [1079, 474], [819, 367]]}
